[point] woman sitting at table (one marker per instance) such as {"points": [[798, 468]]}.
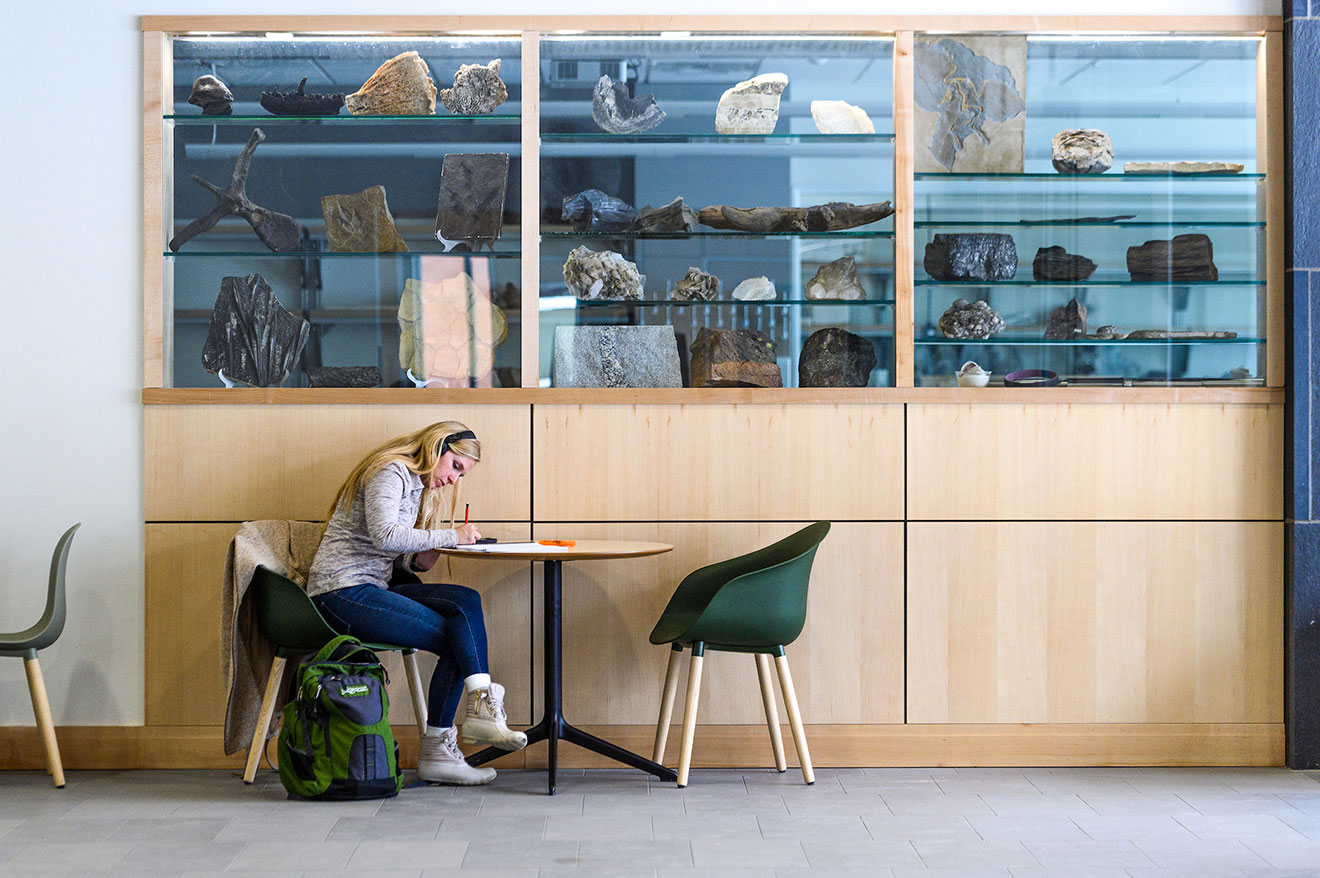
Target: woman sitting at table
{"points": [[381, 528]]}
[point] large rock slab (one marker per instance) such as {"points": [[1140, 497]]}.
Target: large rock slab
{"points": [[675, 216], [401, 86], [965, 319], [840, 117], [834, 357], [449, 331], [1067, 321], [477, 90], [1056, 263], [751, 106], [696, 286], [616, 356], [971, 257], [252, 336], [614, 111], [602, 274], [1182, 168], [361, 223], [597, 211], [471, 203], [836, 280], [831, 217], [734, 358], [1185, 257], [1082, 151]]}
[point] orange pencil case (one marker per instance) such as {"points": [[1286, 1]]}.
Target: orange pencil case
{"points": [[569, 543]]}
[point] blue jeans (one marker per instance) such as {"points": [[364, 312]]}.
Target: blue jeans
{"points": [[440, 618]]}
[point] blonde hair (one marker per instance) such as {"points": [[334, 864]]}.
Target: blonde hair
{"points": [[420, 452]]}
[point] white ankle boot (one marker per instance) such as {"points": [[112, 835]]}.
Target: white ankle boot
{"points": [[442, 762], [484, 722]]}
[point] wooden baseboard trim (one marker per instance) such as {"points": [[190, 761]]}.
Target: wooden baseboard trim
{"points": [[723, 746]]}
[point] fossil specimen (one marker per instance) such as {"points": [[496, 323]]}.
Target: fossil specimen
{"points": [[212, 95], [299, 103], [751, 106], [597, 211], [766, 220], [1082, 151], [477, 90], [615, 112], [672, 217], [401, 86], [361, 223], [1185, 257], [1055, 263], [252, 337]]}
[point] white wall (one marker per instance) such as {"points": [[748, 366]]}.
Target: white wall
{"points": [[70, 320]]}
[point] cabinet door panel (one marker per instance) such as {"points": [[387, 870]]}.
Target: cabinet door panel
{"points": [[1082, 622]]}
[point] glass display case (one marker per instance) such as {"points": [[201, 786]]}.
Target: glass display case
{"points": [[348, 282], [717, 302], [1170, 286]]}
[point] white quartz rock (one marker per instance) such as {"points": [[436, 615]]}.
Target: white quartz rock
{"points": [[840, 117], [755, 289], [751, 106]]}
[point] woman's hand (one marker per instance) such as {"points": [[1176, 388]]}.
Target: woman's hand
{"points": [[467, 534]]}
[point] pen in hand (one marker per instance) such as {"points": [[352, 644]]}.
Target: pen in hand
{"points": [[467, 509]]}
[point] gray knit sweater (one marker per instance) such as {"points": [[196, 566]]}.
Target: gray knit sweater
{"points": [[362, 543]]}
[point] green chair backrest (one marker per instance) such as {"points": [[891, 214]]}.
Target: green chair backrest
{"points": [[286, 615], [51, 624], [754, 601]]}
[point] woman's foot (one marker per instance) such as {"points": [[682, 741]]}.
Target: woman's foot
{"points": [[484, 722], [442, 762]]}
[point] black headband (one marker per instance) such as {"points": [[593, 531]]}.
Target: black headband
{"points": [[454, 437]]}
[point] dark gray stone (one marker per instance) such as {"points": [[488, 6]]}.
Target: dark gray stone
{"points": [[1067, 321], [614, 111], [597, 211], [1055, 263], [835, 358], [1185, 257], [971, 257], [965, 319], [734, 358], [477, 90], [212, 95], [471, 207], [616, 356], [252, 336], [831, 217], [343, 376], [675, 216], [299, 103]]}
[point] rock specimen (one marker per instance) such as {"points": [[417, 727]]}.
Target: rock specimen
{"points": [[212, 95], [959, 93], [299, 103], [597, 211], [449, 331], [1056, 263], [672, 217], [1107, 331], [477, 90], [966, 319], [361, 223], [1082, 151], [835, 358], [1182, 168], [278, 231], [1074, 220], [734, 358], [615, 112], [401, 86], [971, 257], [1067, 321], [1186, 257], [697, 286], [836, 280], [821, 218], [592, 275], [751, 106], [471, 204], [1179, 334], [616, 356], [252, 336], [755, 289], [343, 376], [840, 117]]}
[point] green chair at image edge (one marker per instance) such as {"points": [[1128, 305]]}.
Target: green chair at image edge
{"points": [[24, 645], [291, 622], [754, 603]]}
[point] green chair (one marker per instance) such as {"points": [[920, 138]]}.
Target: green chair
{"points": [[293, 624], [754, 603], [24, 644]]}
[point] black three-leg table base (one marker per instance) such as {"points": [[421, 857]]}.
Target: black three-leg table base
{"points": [[553, 728]]}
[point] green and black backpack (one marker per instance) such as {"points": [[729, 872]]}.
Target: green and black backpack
{"points": [[336, 741]]}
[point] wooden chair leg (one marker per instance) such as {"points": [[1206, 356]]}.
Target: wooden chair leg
{"points": [[795, 718], [667, 695], [690, 715], [771, 710], [259, 734], [415, 690], [41, 708]]}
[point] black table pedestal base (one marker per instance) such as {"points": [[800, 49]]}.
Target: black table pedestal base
{"points": [[553, 727]]}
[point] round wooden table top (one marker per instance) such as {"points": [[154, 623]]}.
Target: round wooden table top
{"points": [[585, 550]]}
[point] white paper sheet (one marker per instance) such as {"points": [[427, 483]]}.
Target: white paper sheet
{"points": [[511, 547]]}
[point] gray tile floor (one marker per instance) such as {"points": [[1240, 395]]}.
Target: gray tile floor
{"points": [[733, 824]]}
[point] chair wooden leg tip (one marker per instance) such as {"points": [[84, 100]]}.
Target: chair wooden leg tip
{"points": [[682, 786], [811, 783]]}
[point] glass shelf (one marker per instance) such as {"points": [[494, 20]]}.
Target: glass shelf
{"points": [[733, 303], [1088, 177], [1089, 342], [717, 233], [1054, 224], [590, 137], [343, 119], [326, 254], [1093, 281]]}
